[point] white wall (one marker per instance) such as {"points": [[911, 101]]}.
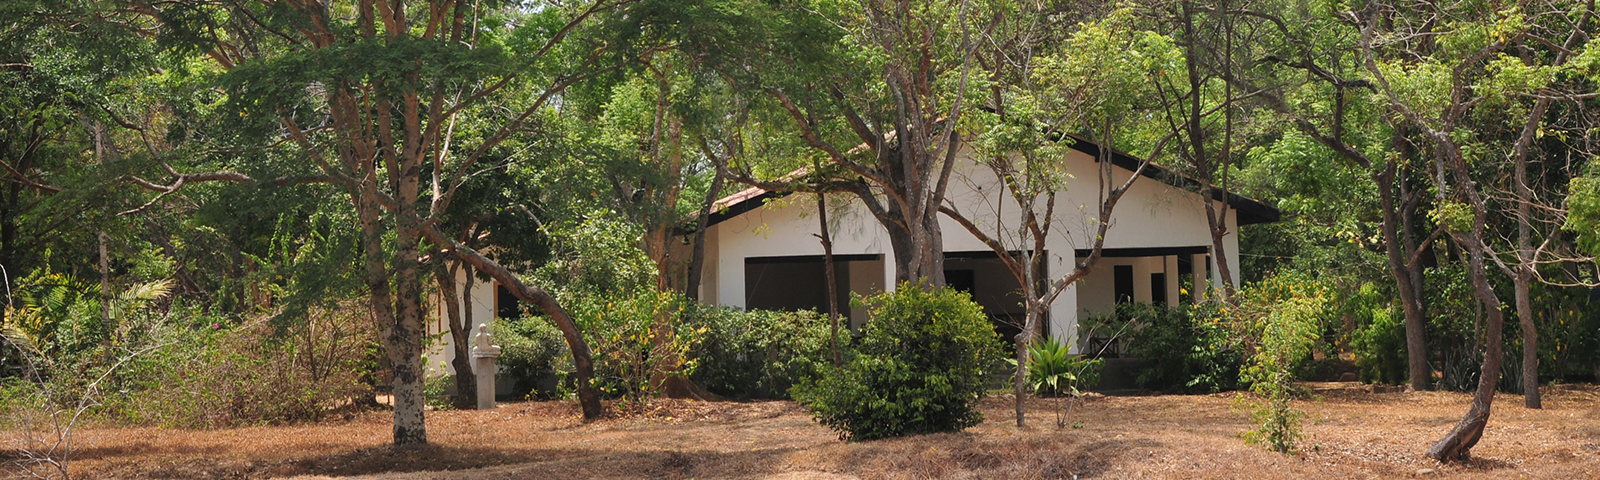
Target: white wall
{"points": [[1151, 214]]}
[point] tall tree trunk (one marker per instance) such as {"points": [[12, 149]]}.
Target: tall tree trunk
{"points": [[405, 340], [1419, 373], [466, 397], [831, 277], [405, 369]]}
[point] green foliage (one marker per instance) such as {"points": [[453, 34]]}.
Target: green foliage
{"points": [[1281, 317], [1054, 371], [1190, 350], [435, 391], [597, 256], [1583, 210], [759, 353], [920, 367], [633, 336], [1380, 347], [532, 350]]}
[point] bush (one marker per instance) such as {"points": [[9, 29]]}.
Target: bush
{"points": [[1280, 318], [1192, 351], [532, 351], [633, 338], [216, 374], [919, 367], [435, 392], [758, 354], [1380, 348]]}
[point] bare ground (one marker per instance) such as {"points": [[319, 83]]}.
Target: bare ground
{"points": [[1350, 434]]}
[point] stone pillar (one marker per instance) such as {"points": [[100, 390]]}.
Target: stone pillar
{"points": [[483, 355]]}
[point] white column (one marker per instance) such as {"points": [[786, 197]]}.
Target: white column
{"points": [[1064, 312], [888, 271]]}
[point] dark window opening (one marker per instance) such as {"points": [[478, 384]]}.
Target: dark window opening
{"points": [[1158, 289], [1123, 285], [794, 283], [963, 280], [506, 305]]}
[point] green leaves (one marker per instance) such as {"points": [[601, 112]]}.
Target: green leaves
{"points": [[920, 367], [1583, 212]]}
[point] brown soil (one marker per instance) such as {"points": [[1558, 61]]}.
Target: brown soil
{"points": [[1350, 433]]}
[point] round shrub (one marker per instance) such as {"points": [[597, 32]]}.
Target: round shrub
{"points": [[919, 367], [531, 352]]}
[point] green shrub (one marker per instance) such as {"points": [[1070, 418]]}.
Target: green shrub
{"points": [[919, 367], [1192, 351], [757, 354], [435, 392], [532, 352], [1380, 348], [628, 342]]}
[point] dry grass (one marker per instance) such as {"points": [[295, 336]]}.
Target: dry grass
{"points": [[1351, 434]]}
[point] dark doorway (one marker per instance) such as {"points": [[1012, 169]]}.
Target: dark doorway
{"points": [[1123, 283], [506, 305], [1158, 289]]}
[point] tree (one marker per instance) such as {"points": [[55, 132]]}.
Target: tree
{"points": [[371, 92], [1292, 80], [1092, 82], [891, 76], [1441, 87]]}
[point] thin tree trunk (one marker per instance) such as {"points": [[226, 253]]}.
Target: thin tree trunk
{"points": [[832, 277], [105, 281], [466, 397], [1530, 342], [697, 259]]}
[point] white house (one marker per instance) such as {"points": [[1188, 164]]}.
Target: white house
{"points": [[762, 252]]}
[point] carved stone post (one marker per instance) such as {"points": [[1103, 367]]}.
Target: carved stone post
{"points": [[483, 355]]}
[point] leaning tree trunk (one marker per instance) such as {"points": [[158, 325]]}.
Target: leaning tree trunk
{"points": [[1457, 445], [697, 258], [466, 397], [582, 357]]}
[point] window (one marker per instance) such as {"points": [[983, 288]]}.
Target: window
{"points": [[1124, 283]]}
